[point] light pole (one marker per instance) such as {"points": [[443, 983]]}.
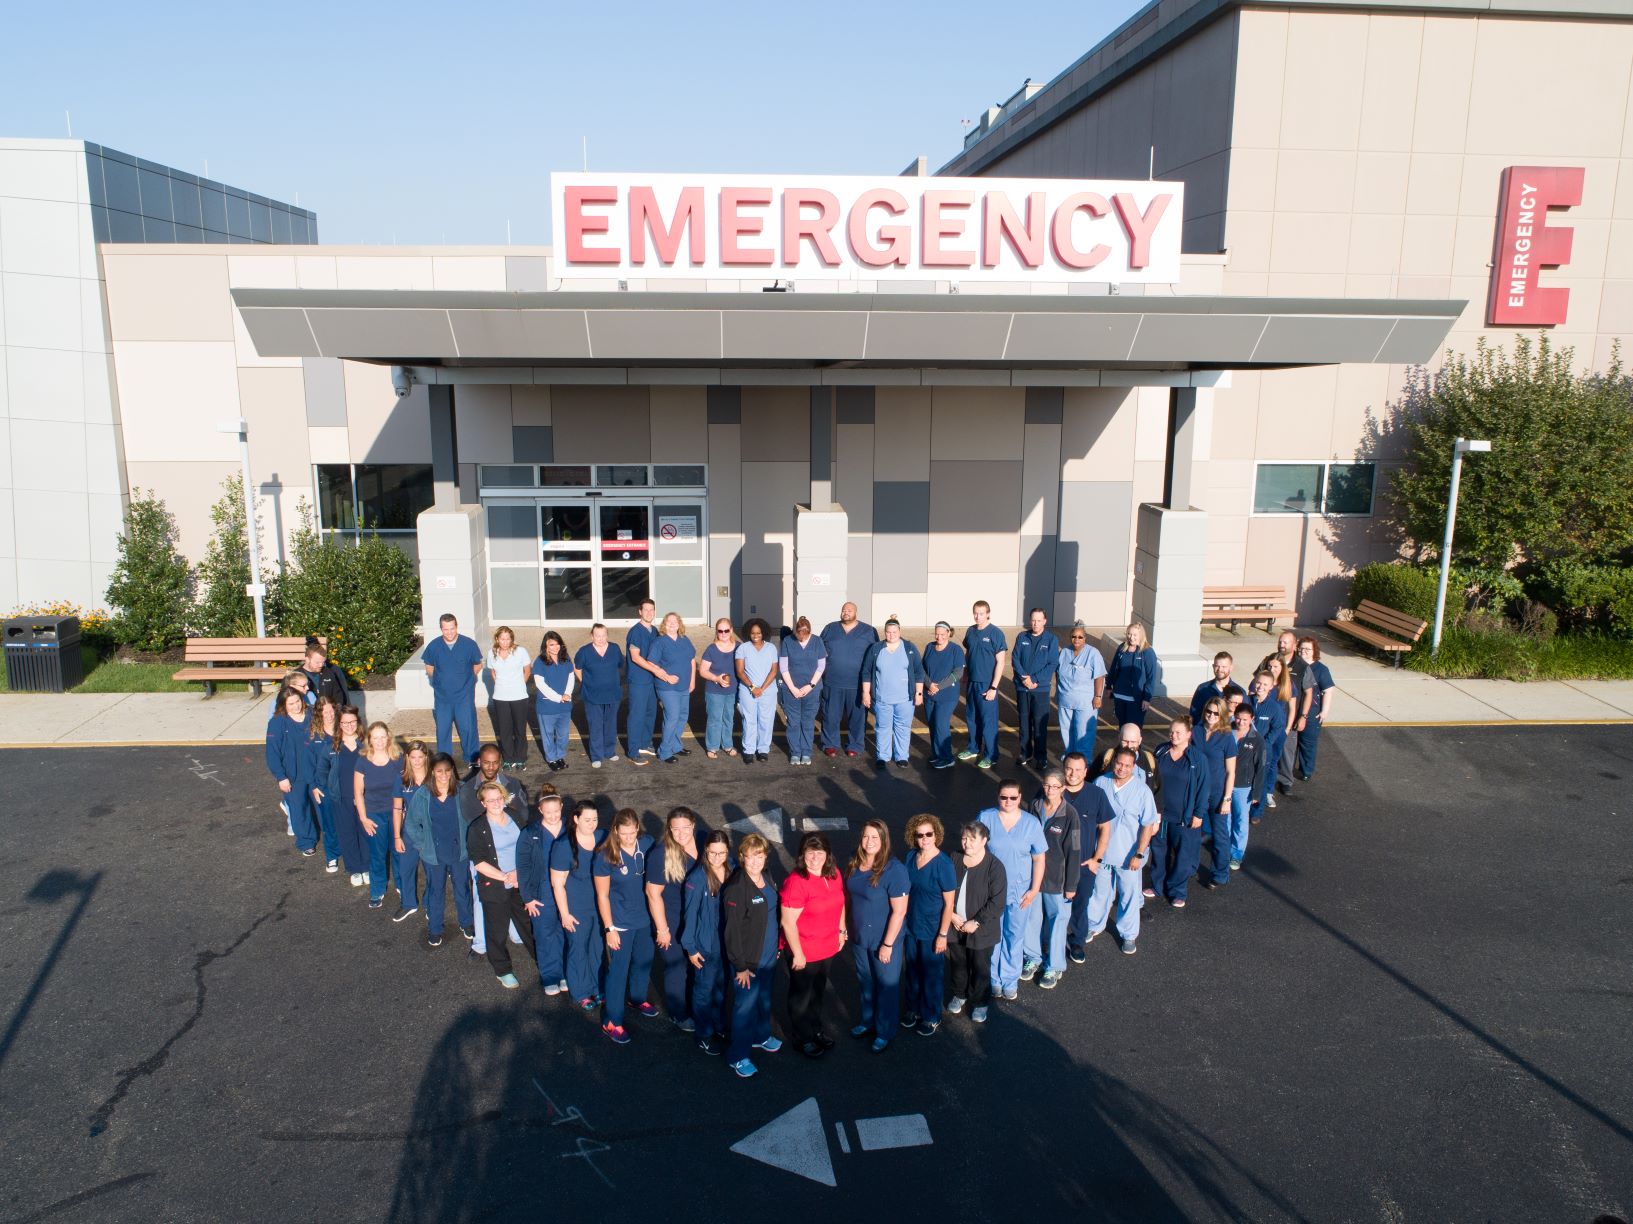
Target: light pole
{"points": [[1462, 447], [256, 588]]}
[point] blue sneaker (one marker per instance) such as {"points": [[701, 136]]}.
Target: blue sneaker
{"points": [[508, 981], [770, 1045], [744, 1069]]}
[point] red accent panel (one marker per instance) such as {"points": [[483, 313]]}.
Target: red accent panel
{"points": [[578, 226], [1526, 243]]}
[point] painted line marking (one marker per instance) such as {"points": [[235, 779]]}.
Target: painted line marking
{"points": [[767, 824], [897, 1131], [825, 824], [795, 1141], [844, 1143]]}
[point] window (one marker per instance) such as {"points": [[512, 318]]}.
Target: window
{"points": [[626, 475], [507, 477], [378, 496], [674, 475], [565, 476], [1314, 488]]}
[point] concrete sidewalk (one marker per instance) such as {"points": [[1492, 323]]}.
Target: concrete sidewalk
{"points": [[1370, 693]]}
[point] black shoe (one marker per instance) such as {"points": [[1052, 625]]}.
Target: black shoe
{"points": [[910, 1020], [1077, 955], [900, 764], [468, 932], [1206, 882], [685, 752], [433, 941], [813, 1049], [710, 1045], [761, 757], [405, 911], [825, 1041], [881, 765]]}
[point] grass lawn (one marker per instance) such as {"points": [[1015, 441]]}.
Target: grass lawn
{"points": [[106, 674]]}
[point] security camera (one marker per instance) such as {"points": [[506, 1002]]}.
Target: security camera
{"points": [[402, 382]]}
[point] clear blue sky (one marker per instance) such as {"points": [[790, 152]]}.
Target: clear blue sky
{"points": [[422, 123]]}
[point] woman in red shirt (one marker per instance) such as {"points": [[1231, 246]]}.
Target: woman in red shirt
{"points": [[813, 923]]}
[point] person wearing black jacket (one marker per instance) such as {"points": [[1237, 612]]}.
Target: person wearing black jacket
{"points": [[491, 843], [748, 907], [323, 677], [1045, 942], [978, 911], [470, 807], [1183, 802]]}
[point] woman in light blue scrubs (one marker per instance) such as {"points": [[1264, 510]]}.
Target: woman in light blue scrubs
{"points": [[876, 886], [757, 689], [572, 880], [1080, 685], [892, 685], [673, 654], [802, 660], [1016, 840]]}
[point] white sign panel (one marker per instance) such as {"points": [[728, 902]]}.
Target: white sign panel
{"points": [[831, 228], [677, 528]]}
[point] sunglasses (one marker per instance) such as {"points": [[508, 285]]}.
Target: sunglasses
{"points": [[721, 632], [1009, 798], [926, 835]]}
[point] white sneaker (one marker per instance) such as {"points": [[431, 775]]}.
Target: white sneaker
{"points": [[645, 752], [358, 879], [553, 989], [332, 866], [613, 757], [283, 806], [366, 879]]}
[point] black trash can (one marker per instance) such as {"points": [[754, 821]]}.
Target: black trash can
{"points": [[42, 654]]}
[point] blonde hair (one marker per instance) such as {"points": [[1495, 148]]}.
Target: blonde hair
{"points": [[754, 843], [665, 622], [500, 632], [1139, 632], [1283, 683], [408, 762], [392, 750], [674, 855], [1217, 705]]}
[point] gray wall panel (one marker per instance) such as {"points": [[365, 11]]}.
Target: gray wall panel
{"points": [[1095, 521], [325, 391], [901, 507]]}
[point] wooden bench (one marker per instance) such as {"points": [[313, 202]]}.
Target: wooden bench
{"points": [[1374, 623], [209, 660], [1244, 605]]}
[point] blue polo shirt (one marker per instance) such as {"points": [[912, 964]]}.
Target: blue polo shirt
{"points": [[452, 676], [602, 674], [1036, 655], [846, 651], [981, 647], [675, 656], [641, 637]]}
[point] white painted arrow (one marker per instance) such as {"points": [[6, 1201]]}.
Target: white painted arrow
{"points": [[795, 1142], [824, 824], [767, 824]]}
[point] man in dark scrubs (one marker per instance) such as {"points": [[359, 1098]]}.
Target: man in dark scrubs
{"points": [[847, 640]]}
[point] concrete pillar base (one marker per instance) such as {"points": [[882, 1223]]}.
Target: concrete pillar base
{"points": [[1170, 561], [821, 562]]}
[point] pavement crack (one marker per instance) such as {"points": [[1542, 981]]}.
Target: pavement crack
{"points": [[154, 1061], [83, 1196]]}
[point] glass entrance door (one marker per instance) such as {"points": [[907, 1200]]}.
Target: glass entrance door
{"points": [[567, 555], [624, 559]]}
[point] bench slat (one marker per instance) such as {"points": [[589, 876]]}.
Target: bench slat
{"points": [[1367, 635], [269, 651], [1388, 618], [266, 675]]}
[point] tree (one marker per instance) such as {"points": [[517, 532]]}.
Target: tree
{"points": [[1558, 483], [152, 585], [223, 609]]}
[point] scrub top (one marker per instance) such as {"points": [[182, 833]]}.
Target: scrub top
{"points": [[506, 834], [674, 894], [821, 902], [721, 663], [452, 675], [1015, 848], [1132, 810], [870, 902], [773, 927], [579, 876], [939, 664], [846, 650], [603, 673], [1075, 679], [757, 664], [381, 783], [1216, 749], [803, 660], [891, 672], [640, 638], [675, 656], [447, 829], [981, 646], [556, 676], [1319, 679], [924, 888], [627, 894], [508, 682]]}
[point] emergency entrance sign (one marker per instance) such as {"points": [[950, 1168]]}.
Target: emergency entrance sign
{"points": [[677, 527]]}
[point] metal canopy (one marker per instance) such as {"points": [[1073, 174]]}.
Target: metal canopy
{"points": [[856, 330]]}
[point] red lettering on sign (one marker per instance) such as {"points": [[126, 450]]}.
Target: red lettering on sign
{"points": [[645, 216], [1139, 226], [579, 225], [1526, 243], [1061, 231], [818, 230], [735, 225], [896, 239], [944, 218], [1003, 224]]}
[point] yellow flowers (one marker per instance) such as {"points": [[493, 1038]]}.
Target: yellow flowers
{"points": [[91, 619]]}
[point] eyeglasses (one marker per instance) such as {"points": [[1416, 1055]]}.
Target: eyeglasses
{"points": [[925, 835], [721, 632]]}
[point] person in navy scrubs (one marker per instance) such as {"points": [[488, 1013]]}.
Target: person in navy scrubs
{"points": [[667, 868], [1036, 659], [354, 850], [876, 886], [749, 938], [700, 938], [846, 641], [599, 666], [405, 857], [554, 678], [620, 898], [1182, 803], [433, 824], [674, 660], [717, 668], [1221, 686], [320, 751], [931, 884], [643, 695], [1318, 683], [572, 879], [1132, 677], [377, 796], [1217, 743], [802, 660], [539, 838], [452, 663], [1270, 721], [985, 651], [943, 662], [286, 760]]}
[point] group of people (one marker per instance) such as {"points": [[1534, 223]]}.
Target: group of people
{"points": [[841, 675], [612, 916]]}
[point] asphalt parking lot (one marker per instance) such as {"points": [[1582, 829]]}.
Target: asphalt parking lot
{"points": [[1414, 1003]]}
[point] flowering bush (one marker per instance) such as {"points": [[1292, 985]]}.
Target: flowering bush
{"points": [[95, 624]]}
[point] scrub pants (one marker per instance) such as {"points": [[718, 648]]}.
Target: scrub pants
{"points": [[1309, 740], [1241, 805], [602, 719], [893, 729], [460, 714], [1175, 852], [629, 968], [437, 880], [349, 832], [801, 715], [674, 720], [1077, 930], [759, 717], [750, 1012], [1032, 706], [408, 874], [1008, 955], [1077, 729], [584, 947], [301, 817], [510, 725], [1128, 711], [709, 997], [1272, 770], [551, 942], [505, 910], [1222, 849], [881, 984], [926, 974], [326, 822], [982, 717], [807, 988], [643, 713], [675, 977], [842, 707], [555, 721], [718, 704], [1124, 885], [379, 855], [1286, 758], [969, 972], [1046, 931], [938, 713]]}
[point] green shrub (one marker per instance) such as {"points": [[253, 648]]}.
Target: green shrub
{"points": [[1598, 597], [1538, 620], [1406, 588], [1507, 654], [223, 609], [363, 596], [151, 591]]}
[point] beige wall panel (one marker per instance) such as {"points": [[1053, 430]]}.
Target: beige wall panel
{"points": [[255, 270], [601, 424], [1247, 240], [1315, 181], [385, 429], [329, 444], [1272, 551], [770, 492], [950, 597], [770, 596], [777, 426], [1248, 284], [168, 297], [1615, 308], [1375, 245], [1380, 182], [1040, 480], [1252, 180], [1098, 433], [956, 552], [680, 425], [1427, 244], [316, 272], [188, 490], [1322, 86], [1361, 396], [1301, 284], [1393, 43], [1445, 65], [977, 423], [725, 479], [1294, 408], [482, 423], [1236, 417], [1471, 247], [384, 272], [1572, 68], [472, 272], [1096, 609], [244, 348], [1227, 486], [273, 402], [1261, 60], [1434, 185], [912, 608], [901, 433], [172, 397], [1309, 242], [529, 406], [1151, 424], [1371, 286], [1147, 487]]}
